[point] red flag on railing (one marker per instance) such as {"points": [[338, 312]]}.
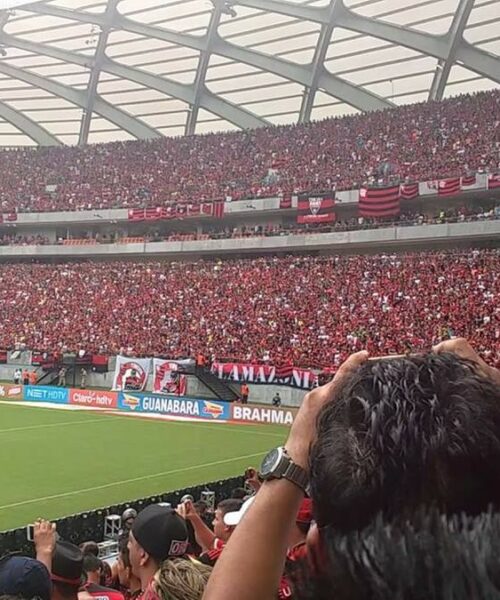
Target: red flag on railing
{"points": [[207, 208], [11, 217], [468, 180], [219, 209], [379, 202], [449, 187], [494, 181], [409, 191], [153, 214], [136, 214]]}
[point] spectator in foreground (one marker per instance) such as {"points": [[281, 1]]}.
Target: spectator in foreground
{"points": [[93, 571], [158, 533], [388, 437], [181, 579], [24, 578], [67, 571], [212, 543], [425, 557], [128, 583]]}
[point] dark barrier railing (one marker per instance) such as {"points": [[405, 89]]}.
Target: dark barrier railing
{"points": [[89, 525]]}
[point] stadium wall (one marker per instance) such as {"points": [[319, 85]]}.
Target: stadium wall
{"points": [[391, 237], [90, 525]]}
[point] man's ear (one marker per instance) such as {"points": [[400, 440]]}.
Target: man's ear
{"points": [[143, 557]]}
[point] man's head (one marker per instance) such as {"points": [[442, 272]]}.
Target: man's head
{"points": [[24, 578], [181, 579], [128, 517], [92, 568], [403, 433], [221, 530], [67, 571], [158, 533], [426, 556]]}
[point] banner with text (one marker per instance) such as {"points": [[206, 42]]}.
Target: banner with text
{"points": [[168, 378], [261, 414], [93, 398], [209, 410], [9, 391], [292, 376], [131, 374]]}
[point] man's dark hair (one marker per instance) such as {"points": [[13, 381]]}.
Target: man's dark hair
{"points": [[239, 493], [91, 563], [403, 433], [229, 505], [90, 548], [426, 557]]}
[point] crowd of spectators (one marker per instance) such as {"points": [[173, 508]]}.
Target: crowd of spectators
{"points": [[309, 311], [24, 240], [418, 142], [386, 488]]}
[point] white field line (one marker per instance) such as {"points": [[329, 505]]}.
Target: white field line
{"points": [[47, 425], [132, 480]]}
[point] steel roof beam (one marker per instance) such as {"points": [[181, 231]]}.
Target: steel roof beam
{"points": [[480, 61], [32, 129], [223, 108], [133, 126], [201, 71], [318, 63], [335, 86], [96, 71]]}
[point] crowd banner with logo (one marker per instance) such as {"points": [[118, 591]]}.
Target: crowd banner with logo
{"points": [[131, 374], [316, 208], [168, 378], [250, 373], [208, 410], [379, 201]]}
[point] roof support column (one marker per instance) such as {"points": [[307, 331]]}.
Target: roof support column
{"points": [[454, 38], [95, 73], [318, 63], [201, 72]]}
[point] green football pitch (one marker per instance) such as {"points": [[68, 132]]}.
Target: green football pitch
{"points": [[58, 462]]}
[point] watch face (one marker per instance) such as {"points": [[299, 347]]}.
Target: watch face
{"points": [[270, 462]]}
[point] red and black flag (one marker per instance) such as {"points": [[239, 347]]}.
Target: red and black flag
{"points": [[316, 208], [494, 181], [379, 201], [285, 201], [136, 214], [469, 180], [409, 191], [449, 187]]}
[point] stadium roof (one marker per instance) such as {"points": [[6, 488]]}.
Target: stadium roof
{"points": [[77, 71]]}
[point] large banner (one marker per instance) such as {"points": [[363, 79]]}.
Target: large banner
{"points": [[261, 414], [168, 378], [379, 201], [9, 391], [292, 376], [211, 410], [316, 208], [131, 374], [93, 398]]}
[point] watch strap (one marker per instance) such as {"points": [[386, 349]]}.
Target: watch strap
{"points": [[296, 475]]}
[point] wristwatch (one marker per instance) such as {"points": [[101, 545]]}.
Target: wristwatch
{"points": [[278, 465]]}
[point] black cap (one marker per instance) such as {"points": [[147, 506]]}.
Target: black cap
{"points": [[161, 532], [67, 564], [24, 577]]}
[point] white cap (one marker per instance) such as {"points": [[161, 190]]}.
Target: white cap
{"points": [[231, 519]]}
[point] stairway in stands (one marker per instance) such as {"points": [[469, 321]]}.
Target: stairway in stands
{"points": [[222, 390]]}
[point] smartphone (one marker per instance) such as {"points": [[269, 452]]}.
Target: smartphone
{"points": [[30, 533]]}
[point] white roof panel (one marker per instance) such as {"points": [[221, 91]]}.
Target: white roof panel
{"points": [[258, 68]]}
